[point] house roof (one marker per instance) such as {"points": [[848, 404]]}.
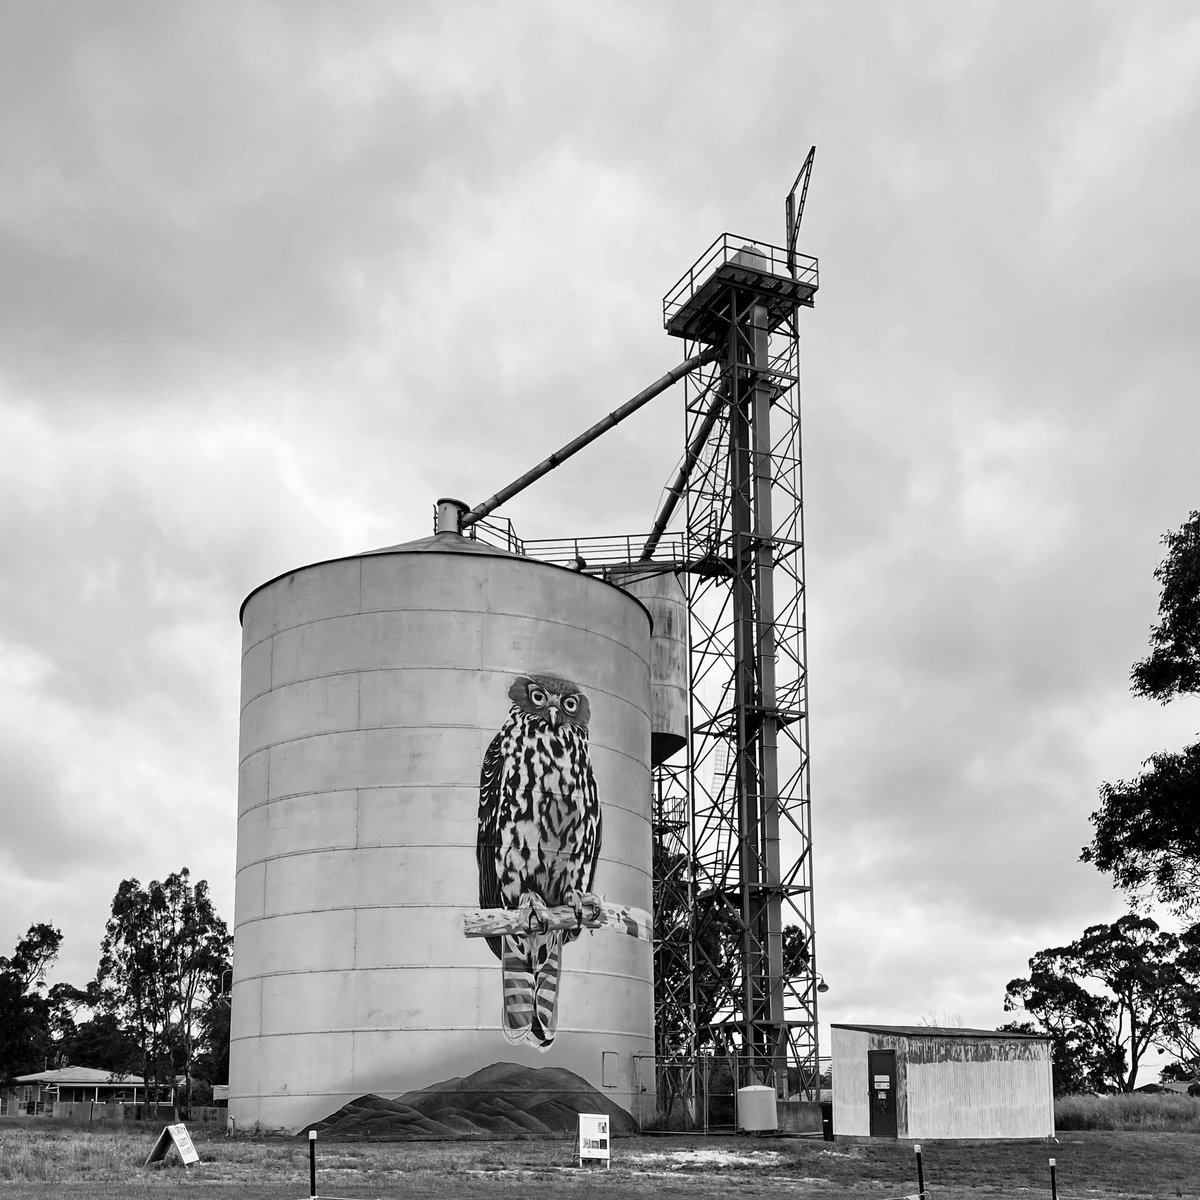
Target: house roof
{"points": [[82, 1077], [944, 1031], [1178, 1086]]}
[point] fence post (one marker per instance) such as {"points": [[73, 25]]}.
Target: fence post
{"points": [[312, 1162], [1053, 1183], [920, 1172]]}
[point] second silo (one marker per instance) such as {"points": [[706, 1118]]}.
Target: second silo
{"points": [[373, 688]]}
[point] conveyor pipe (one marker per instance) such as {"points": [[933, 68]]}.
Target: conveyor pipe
{"points": [[614, 418], [680, 481]]}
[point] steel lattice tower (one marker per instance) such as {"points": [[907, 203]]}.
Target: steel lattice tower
{"points": [[752, 937]]}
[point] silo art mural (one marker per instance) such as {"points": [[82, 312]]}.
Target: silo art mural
{"points": [[442, 920]]}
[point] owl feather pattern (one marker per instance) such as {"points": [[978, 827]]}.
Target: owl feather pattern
{"points": [[538, 841]]}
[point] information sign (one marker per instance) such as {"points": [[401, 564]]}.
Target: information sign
{"points": [[177, 1136], [593, 1138]]}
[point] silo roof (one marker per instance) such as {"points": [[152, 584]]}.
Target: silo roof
{"points": [[442, 543]]}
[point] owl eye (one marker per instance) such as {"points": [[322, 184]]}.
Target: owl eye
{"points": [[537, 696], [571, 704]]}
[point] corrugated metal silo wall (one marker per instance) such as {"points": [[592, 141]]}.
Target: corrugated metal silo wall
{"points": [[663, 595], [372, 688]]}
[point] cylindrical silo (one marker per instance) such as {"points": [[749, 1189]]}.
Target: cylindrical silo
{"points": [[662, 594], [372, 688]]}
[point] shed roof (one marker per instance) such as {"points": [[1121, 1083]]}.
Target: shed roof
{"points": [[944, 1031], [81, 1076]]}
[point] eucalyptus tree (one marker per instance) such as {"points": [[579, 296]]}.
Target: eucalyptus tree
{"points": [[164, 946], [25, 1009], [1147, 831], [1105, 998]]}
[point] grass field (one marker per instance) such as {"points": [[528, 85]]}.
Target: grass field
{"points": [[1143, 1112], [39, 1159]]}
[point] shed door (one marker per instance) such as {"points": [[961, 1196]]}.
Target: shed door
{"points": [[881, 1079]]}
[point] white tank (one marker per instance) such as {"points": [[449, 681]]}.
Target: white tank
{"points": [[372, 688], [662, 594]]}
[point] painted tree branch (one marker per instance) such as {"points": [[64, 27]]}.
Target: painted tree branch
{"points": [[534, 916]]}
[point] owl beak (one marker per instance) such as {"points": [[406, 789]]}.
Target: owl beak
{"points": [[553, 711]]}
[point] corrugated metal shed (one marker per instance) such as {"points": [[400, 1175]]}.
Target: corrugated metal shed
{"points": [[917, 1081]]}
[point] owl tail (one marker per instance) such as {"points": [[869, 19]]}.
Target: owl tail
{"points": [[547, 958], [530, 969]]}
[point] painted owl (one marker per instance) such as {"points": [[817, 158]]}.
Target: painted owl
{"points": [[539, 839]]}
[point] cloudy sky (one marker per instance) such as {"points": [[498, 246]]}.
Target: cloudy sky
{"points": [[273, 277]]}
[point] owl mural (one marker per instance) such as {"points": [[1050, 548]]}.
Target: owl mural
{"points": [[538, 843]]}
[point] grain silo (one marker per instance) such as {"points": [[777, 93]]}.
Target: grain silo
{"points": [[372, 687], [917, 1081], [662, 594]]}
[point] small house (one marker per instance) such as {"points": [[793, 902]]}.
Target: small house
{"points": [[39, 1092], [916, 1081]]}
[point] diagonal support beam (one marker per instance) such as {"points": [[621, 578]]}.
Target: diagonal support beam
{"points": [[560, 456]]}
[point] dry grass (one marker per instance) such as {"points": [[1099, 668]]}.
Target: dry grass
{"points": [[39, 1160], [1164, 1113], [53, 1154]]}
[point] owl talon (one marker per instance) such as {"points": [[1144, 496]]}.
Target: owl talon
{"points": [[534, 908], [589, 908]]}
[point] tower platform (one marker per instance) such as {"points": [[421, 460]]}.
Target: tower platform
{"points": [[756, 271]]}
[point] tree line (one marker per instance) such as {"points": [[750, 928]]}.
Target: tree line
{"points": [[155, 1007], [1121, 989]]}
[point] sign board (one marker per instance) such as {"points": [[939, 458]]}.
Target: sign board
{"points": [[593, 1138], [177, 1136], [883, 1082]]}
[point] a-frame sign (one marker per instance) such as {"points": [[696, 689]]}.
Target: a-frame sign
{"points": [[177, 1136]]}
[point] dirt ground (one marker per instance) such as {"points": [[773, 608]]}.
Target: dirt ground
{"points": [[108, 1166]]}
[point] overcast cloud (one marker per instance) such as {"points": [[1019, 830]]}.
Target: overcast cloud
{"points": [[274, 277]]}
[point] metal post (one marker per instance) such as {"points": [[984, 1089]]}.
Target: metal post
{"points": [[1053, 1183], [741, 510], [770, 931], [312, 1162], [920, 1172]]}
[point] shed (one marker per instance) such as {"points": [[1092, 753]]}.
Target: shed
{"points": [[917, 1081]]}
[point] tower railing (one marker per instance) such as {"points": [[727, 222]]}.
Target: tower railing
{"points": [[744, 261]]}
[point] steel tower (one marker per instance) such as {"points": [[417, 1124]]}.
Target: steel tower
{"points": [[752, 935]]}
